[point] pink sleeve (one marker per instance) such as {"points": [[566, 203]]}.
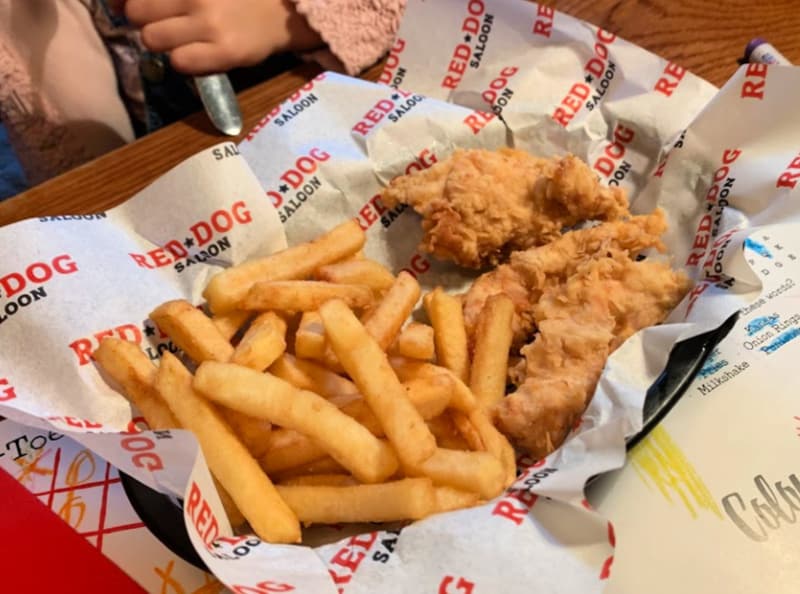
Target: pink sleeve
{"points": [[357, 32]]}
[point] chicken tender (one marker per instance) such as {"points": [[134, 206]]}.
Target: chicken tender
{"points": [[478, 205], [528, 273], [580, 322]]}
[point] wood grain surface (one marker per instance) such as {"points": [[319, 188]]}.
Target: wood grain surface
{"points": [[704, 36]]}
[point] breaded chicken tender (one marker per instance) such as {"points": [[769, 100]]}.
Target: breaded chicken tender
{"points": [[580, 322], [530, 272], [479, 205]]}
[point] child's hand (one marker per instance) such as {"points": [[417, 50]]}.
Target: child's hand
{"points": [[206, 36]]}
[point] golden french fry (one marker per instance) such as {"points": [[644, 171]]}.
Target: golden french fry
{"points": [[358, 410], [489, 371], [449, 499], [467, 430], [279, 458], [230, 323], [253, 433], [192, 331], [385, 321], [320, 480], [307, 375], [326, 465], [408, 369], [447, 436], [235, 516], [303, 295], [416, 342], [359, 255], [398, 500], [229, 461], [130, 368], [367, 365], [309, 341], [449, 332], [265, 396], [479, 472], [281, 438], [263, 343], [228, 288], [357, 272], [429, 395], [496, 444]]}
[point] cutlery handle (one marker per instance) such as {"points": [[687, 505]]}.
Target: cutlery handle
{"points": [[220, 102]]}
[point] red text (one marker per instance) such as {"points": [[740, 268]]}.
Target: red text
{"points": [[37, 273]]}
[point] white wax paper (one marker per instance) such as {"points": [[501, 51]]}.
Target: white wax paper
{"points": [[323, 157]]}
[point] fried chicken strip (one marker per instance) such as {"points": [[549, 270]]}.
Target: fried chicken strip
{"points": [[528, 273], [480, 205], [581, 322]]}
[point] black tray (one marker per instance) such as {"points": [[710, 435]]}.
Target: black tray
{"points": [[165, 519]]}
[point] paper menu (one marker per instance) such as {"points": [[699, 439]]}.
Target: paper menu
{"points": [[709, 502]]}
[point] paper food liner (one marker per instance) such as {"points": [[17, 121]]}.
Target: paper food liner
{"points": [[498, 73]]}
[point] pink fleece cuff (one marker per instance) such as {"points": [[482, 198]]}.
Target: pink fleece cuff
{"points": [[357, 32]]}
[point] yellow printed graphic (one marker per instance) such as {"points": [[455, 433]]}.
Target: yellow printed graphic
{"points": [[660, 463]]}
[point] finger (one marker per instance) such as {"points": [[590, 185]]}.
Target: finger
{"points": [[202, 58], [142, 12], [166, 35]]}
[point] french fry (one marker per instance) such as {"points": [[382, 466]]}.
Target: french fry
{"points": [[302, 295], [449, 332], [362, 413], [228, 288], [320, 480], [130, 368], [467, 430], [449, 499], [447, 436], [496, 444], [386, 320], [192, 331], [398, 500], [408, 369], [309, 341], [478, 472], [326, 465], [357, 272], [263, 343], [230, 323], [430, 396], [416, 342], [196, 335], [253, 433], [229, 461], [235, 516], [489, 371], [280, 458], [307, 375], [368, 366], [268, 397]]}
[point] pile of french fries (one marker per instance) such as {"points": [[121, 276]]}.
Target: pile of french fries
{"points": [[315, 399]]}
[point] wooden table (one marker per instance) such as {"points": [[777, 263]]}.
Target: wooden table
{"points": [[704, 36]]}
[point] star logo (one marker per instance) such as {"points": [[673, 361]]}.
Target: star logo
{"points": [[588, 78], [149, 330], [283, 188], [188, 242], [467, 37]]}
